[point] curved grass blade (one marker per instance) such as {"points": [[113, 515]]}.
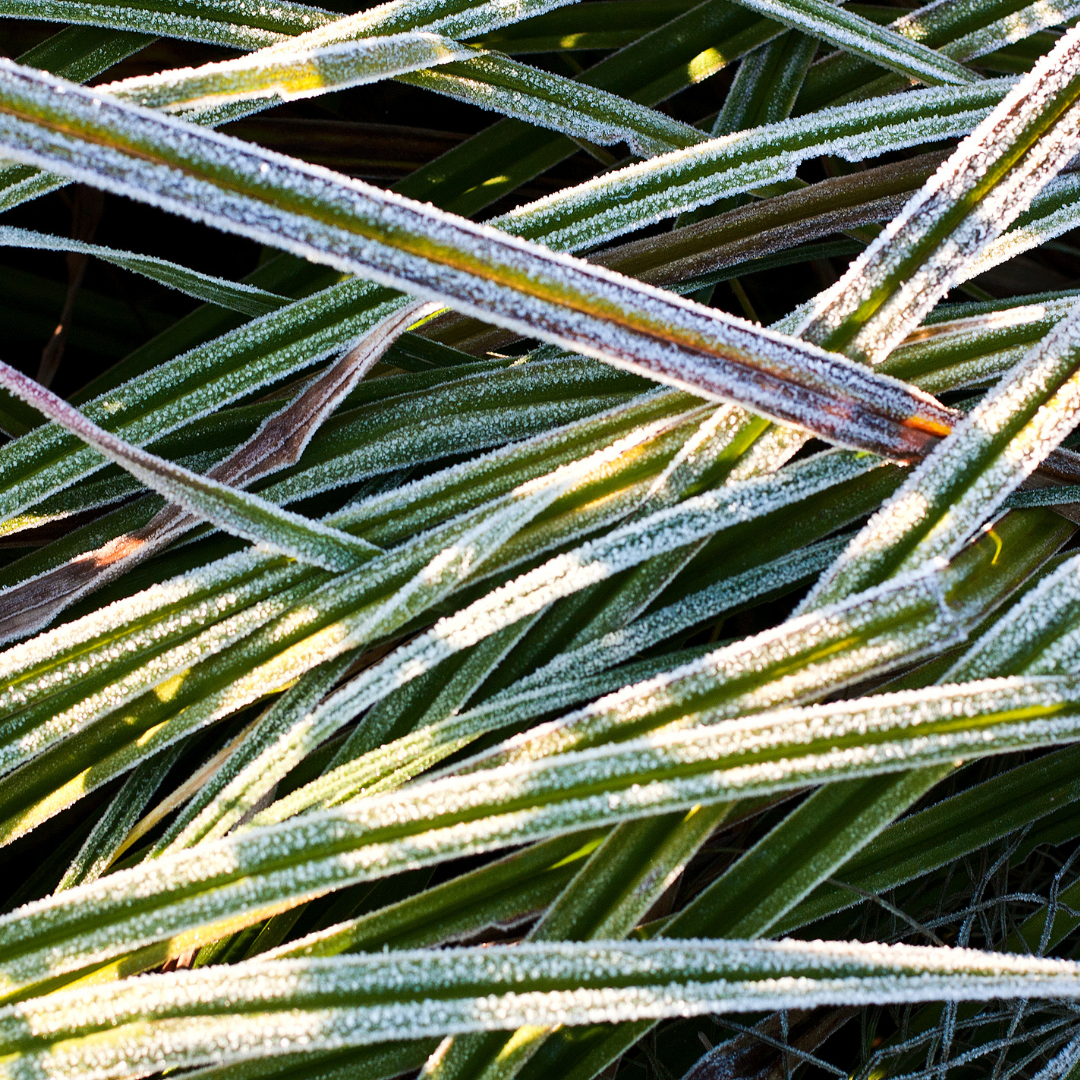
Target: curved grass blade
{"points": [[294, 727], [339, 301], [193, 385], [958, 31], [390, 517], [226, 22], [672, 184], [854, 34], [278, 442], [244, 515], [573, 676], [242, 24], [227, 294], [112, 828], [269, 76], [994, 449], [173, 903], [316, 619], [282, 332], [573, 108], [490, 82], [824, 648], [191, 1018]]}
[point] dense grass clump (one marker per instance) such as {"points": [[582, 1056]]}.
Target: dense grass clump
{"points": [[539, 540]]}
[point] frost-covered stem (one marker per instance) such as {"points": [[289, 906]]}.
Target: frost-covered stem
{"points": [[480, 271], [973, 197]]}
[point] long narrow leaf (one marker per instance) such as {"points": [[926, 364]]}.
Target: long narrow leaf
{"points": [[201, 1017], [523, 286], [228, 294], [243, 514]]}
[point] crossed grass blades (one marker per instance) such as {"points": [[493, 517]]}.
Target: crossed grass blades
{"points": [[461, 645]]}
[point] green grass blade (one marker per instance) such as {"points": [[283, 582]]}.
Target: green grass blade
{"points": [[996, 447], [573, 108], [630, 198], [120, 817], [237, 512], [270, 76], [555, 293], [242, 879], [987, 183], [854, 34], [361, 1000], [226, 22], [227, 294]]}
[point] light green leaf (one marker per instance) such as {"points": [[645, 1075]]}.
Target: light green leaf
{"points": [[274, 75]]}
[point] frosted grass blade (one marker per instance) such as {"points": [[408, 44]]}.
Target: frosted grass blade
{"points": [[994, 449], [314, 620], [192, 631], [256, 765], [193, 385], [490, 82], [524, 287], [848, 644], [1011, 28], [1038, 636], [247, 25], [798, 660], [634, 864], [269, 76], [294, 727], [255, 27], [987, 183], [488, 407], [280, 334], [854, 34], [618, 646], [957, 31], [766, 85], [451, 18], [235, 296], [570, 678], [326, 619], [279, 442], [676, 183], [235, 23], [358, 1000], [435, 914], [392, 517], [242, 514], [574, 108], [175, 901], [1053, 212], [112, 828]]}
